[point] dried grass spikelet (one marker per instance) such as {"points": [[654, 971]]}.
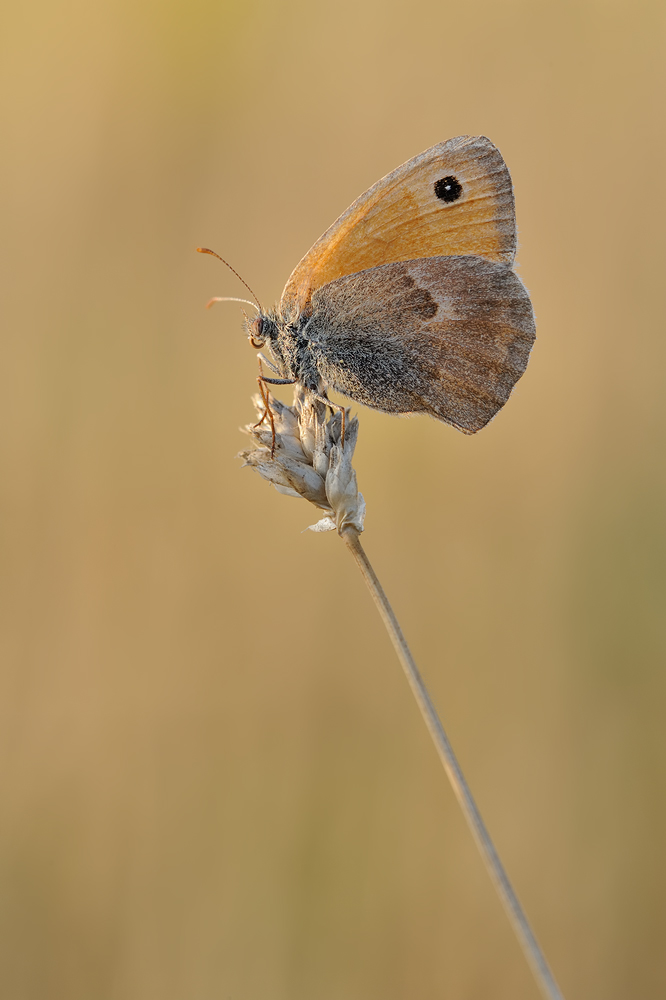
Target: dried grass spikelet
{"points": [[309, 460]]}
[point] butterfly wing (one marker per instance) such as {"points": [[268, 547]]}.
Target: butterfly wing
{"points": [[454, 199], [449, 336]]}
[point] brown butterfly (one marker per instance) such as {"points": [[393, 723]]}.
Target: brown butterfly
{"points": [[409, 303]]}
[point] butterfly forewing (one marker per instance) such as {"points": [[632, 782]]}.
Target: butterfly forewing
{"points": [[455, 199]]}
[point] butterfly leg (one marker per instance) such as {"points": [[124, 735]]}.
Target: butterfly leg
{"points": [[334, 406], [267, 361], [266, 399], [265, 395]]}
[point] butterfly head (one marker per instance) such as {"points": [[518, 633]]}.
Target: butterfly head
{"points": [[261, 329]]}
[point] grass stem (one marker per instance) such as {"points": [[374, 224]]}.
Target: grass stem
{"points": [[533, 953]]}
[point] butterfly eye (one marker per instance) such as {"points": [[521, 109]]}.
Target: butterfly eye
{"points": [[448, 188], [258, 333]]}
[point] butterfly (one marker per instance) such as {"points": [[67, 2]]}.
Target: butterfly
{"points": [[409, 303]]}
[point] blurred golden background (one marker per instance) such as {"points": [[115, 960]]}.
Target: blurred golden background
{"points": [[215, 783]]}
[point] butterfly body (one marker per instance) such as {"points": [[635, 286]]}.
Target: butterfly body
{"points": [[409, 303]]}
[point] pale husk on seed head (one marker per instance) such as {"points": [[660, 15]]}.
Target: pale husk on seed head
{"points": [[309, 459]]}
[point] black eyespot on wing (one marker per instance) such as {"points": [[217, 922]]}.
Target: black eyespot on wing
{"points": [[448, 189]]}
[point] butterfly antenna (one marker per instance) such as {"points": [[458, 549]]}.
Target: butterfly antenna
{"points": [[213, 254], [229, 298]]}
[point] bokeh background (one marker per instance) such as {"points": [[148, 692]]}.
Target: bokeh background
{"points": [[215, 785]]}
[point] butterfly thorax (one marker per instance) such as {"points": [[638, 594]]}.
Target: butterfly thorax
{"points": [[290, 346]]}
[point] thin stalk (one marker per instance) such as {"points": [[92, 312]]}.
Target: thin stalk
{"points": [[533, 953]]}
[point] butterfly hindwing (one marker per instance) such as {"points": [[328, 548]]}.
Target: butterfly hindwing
{"points": [[449, 336]]}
